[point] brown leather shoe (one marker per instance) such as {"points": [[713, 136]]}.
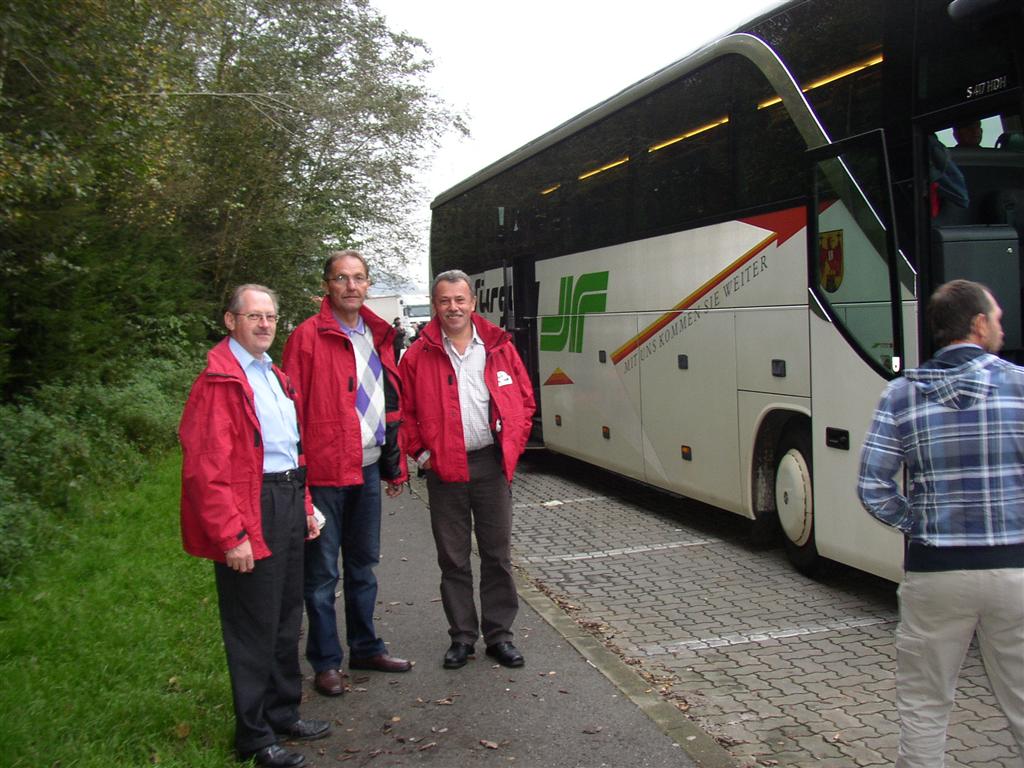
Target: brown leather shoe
{"points": [[381, 663], [329, 682]]}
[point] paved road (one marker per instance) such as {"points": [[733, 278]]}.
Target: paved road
{"points": [[573, 704], [779, 669]]}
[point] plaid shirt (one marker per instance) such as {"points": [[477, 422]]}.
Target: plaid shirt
{"points": [[958, 425]]}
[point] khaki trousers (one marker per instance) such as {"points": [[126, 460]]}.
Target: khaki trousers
{"points": [[939, 615]]}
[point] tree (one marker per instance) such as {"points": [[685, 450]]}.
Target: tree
{"points": [[154, 153]]}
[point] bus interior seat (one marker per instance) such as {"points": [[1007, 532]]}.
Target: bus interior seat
{"points": [[1005, 206], [1012, 140], [993, 178]]}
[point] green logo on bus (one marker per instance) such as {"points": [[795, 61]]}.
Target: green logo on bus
{"points": [[588, 295]]}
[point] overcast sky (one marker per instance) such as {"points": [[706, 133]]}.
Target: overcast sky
{"points": [[517, 70]]}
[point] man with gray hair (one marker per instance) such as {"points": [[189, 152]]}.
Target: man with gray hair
{"points": [[467, 412], [957, 425], [244, 505]]}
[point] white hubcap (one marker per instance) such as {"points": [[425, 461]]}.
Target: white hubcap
{"points": [[793, 497]]}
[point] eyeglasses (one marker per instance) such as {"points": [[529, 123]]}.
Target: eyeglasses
{"points": [[255, 317], [350, 279]]}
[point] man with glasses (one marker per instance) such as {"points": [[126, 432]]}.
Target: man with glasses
{"points": [[344, 368], [244, 505]]}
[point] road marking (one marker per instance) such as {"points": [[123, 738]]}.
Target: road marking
{"points": [[617, 552], [720, 641]]}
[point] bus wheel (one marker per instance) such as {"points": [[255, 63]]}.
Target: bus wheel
{"points": [[794, 500]]}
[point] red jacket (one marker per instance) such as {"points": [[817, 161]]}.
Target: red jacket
{"points": [[431, 416], [319, 358], [222, 460]]}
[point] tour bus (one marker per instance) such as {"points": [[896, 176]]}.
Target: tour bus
{"points": [[712, 275]]}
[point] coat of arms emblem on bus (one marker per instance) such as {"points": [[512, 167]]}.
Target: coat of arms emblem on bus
{"points": [[589, 294], [830, 260]]}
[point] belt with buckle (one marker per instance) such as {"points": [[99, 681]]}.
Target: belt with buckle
{"points": [[297, 475]]}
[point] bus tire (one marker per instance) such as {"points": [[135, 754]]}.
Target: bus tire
{"points": [[794, 500]]}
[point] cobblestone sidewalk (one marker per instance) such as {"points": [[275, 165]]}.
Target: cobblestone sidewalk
{"points": [[780, 669]]}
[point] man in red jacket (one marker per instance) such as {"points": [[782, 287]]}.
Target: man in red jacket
{"points": [[343, 364], [244, 505], [466, 417]]}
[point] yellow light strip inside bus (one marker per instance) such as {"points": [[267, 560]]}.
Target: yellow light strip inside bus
{"points": [[604, 168], [829, 79], [874, 61], [682, 137]]}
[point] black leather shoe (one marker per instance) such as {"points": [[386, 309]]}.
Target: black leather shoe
{"points": [[305, 730], [457, 654], [506, 654], [276, 756]]}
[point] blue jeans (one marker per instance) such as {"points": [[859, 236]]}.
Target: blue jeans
{"points": [[353, 529]]}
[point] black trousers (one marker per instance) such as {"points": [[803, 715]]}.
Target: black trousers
{"points": [[482, 506], [260, 617]]}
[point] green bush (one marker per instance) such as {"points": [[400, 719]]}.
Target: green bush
{"points": [[21, 524], [72, 435]]}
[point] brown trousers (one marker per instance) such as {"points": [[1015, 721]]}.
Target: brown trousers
{"points": [[484, 504]]}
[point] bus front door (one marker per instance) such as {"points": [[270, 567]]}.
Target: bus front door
{"points": [[861, 298]]}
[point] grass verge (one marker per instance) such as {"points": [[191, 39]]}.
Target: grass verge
{"points": [[110, 652]]}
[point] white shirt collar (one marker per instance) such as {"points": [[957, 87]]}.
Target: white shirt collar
{"points": [[244, 358], [476, 336]]}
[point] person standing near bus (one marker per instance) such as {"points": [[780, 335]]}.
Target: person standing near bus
{"points": [[343, 364], [466, 417], [957, 423], [399, 340], [244, 505]]}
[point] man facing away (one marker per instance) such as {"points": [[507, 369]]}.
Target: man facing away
{"points": [[957, 424], [343, 365], [244, 505], [466, 416]]}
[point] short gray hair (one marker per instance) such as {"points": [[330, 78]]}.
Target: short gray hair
{"points": [[450, 276], [235, 302]]}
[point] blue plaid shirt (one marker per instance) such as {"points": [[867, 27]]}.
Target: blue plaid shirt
{"points": [[957, 423]]}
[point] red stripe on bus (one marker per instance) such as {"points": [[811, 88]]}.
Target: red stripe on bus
{"points": [[633, 344]]}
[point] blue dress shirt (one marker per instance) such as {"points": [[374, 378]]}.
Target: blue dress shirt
{"points": [[274, 409]]}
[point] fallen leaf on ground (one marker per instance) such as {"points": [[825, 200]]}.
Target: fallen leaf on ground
{"points": [[489, 744]]}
